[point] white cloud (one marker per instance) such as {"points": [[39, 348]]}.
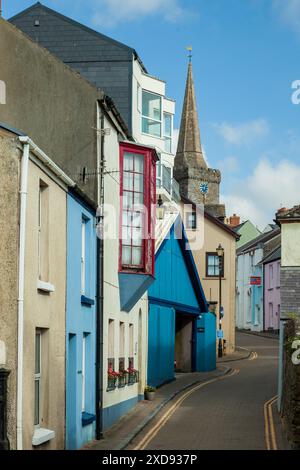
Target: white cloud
{"points": [[243, 134], [289, 12], [260, 195], [228, 165], [112, 12]]}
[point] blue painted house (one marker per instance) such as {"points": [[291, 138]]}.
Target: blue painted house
{"points": [[181, 331], [80, 324]]}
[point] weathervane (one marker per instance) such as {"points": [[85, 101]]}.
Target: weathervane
{"points": [[190, 49]]}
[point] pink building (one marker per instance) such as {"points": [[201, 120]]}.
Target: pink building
{"points": [[272, 290]]}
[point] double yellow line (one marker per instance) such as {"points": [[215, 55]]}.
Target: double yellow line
{"points": [[270, 434], [167, 415]]}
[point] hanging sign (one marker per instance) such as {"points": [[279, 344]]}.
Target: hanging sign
{"points": [[255, 281]]}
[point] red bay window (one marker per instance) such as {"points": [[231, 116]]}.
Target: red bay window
{"points": [[138, 203]]}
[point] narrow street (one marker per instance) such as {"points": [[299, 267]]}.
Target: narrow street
{"points": [[226, 414]]}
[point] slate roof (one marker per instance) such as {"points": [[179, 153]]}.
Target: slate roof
{"points": [[261, 239], [103, 61], [275, 255]]}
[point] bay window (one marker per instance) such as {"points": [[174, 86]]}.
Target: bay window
{"points": [[138, 201], [151, 114]]}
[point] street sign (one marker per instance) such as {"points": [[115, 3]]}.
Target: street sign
{"points": [[255, 281], [220, 334]]}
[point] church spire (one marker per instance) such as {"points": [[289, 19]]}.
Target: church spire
{"points": [[189, 150]]}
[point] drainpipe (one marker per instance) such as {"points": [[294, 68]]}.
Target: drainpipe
{"points": [[23, 205], [100, 284]]}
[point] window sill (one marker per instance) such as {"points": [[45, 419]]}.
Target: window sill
{"points": [[45, 286], [87, 418], [42, 435], [87, 301]]}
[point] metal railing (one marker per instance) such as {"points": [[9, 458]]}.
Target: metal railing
{"points": [[165, 180]]}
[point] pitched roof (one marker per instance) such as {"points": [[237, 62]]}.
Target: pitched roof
{"points": [[213, 219], [261, 239], [273, 256], [39, 5]]}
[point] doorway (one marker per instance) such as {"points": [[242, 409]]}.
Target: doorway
{"points": [[184, 343]]}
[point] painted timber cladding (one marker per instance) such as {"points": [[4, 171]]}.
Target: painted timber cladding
{"points": [[81, 321], [101, 60], [175, 291]]}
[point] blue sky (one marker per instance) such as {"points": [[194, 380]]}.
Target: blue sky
{"points": [[245, 59]]}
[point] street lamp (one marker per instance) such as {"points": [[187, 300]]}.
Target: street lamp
{"points": [[220, 253], [160, 209]]}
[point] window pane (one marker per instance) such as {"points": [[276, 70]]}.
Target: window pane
{"points": [[151, 127], [137, 236], [128, 161], [126, 218], [127, 200], [167, 124], [139, 183], [126, 235], [151, 105], [126, 255], [211, 271], [36, 402], [38, 353], [158, 169], [128, 181], [138, 199], [137, 219], [136, 256], [168, 145], [139, 163]]}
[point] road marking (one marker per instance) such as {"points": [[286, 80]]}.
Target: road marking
{"points": [[167, 415], [253, 356], [270, 433]]}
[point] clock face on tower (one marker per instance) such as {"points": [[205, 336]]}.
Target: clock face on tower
{"points": [[204, 188]]}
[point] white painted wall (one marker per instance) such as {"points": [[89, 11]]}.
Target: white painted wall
{"points": [[111, 285], [143, 81]]}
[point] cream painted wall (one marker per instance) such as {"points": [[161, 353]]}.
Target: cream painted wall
{"points": [[45, 311], [290, 244], [111, 285], [212, 236]]}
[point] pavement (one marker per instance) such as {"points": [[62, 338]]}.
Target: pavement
{"points": [[232, 413], [120, 435]]}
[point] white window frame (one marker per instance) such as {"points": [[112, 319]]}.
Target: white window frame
{"points": [[38, 378], [83, 255], [153, 119], [83, 404], [168, 137]]}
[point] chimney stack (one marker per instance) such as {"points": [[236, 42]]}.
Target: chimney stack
{"points": [[234, 220]]}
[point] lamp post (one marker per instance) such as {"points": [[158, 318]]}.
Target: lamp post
{"points": [[220, 253]]}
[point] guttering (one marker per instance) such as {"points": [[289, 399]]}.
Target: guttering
{"points": [[47, 161], [28, 145], [22, 234]]}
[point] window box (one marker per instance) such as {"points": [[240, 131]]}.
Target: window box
{"points": [[133, 376], [87, 301], [122, 379]]}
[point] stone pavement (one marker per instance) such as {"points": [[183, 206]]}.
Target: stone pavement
{"points": [[119, 436]]}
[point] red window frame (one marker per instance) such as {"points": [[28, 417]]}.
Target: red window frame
{"points": [[148, 229]]}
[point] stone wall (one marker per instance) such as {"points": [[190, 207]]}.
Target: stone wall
{"points": [[291, 390], [290, 291]]}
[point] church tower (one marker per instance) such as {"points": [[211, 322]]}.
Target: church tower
{"points": [[191, 170]]}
